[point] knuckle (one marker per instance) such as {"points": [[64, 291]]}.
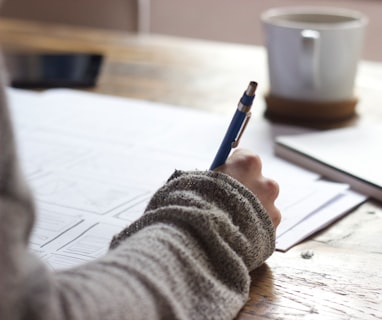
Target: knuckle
{"points": [[251, 161], [277, 218], [273, 188]]}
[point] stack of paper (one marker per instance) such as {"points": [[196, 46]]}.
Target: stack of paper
{"points": [[350, 155], [93, 162]]}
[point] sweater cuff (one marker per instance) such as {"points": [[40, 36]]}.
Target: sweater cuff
{"points": [[209, 200]]}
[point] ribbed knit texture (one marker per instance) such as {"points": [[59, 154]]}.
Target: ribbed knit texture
{"points": [[188, 257]]}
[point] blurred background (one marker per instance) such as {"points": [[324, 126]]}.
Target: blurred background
{"points": [[220, 20]]}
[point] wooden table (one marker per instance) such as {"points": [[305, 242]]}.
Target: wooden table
{"points": [[343, 278]]}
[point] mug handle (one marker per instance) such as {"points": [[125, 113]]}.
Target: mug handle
{"points": [[309, 61]]}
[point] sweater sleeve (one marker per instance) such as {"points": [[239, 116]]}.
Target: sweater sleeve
{"points": [[188, 257]]}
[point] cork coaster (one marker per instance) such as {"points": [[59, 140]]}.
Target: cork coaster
{"points": [[314, 114]]}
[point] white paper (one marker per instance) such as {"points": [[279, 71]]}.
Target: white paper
{"points": [[94, 161], [320, 219]]}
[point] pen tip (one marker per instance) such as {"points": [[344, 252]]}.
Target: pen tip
{"points": [[251, 88]]}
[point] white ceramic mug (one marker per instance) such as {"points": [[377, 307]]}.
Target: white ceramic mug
{"points": [[313, 52]]}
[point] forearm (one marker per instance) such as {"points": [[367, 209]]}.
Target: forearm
{"points": [[214, 207], [188, 257], [226, 234], [17, 267]]}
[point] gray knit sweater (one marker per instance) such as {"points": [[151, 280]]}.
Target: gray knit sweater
{"points": [[188, 257]]}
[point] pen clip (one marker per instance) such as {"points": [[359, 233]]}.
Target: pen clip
{"points": [[236, 142]]}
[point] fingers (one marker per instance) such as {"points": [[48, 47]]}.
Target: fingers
{"points": [[267, 191], [246, 167], [246, 160], [275, 216], [241, 164], [271, 189]]}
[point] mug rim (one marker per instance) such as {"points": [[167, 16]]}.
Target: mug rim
{"points": [[357, 18]]}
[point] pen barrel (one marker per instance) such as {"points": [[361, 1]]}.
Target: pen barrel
{"points": [[229, 138]]}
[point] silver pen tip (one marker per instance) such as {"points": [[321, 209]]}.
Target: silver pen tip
{"points": [[251, 88]]}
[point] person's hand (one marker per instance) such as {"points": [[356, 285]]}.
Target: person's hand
{"points": [[245, 166]]}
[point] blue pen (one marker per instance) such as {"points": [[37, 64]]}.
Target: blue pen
{"points": [[236, 128]]}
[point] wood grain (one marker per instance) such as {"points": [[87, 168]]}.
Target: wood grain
{"points": [[337, 273]]}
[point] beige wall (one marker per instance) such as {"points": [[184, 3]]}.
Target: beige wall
{"points": [[222, 20], [116, 14], [239, 20]]}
